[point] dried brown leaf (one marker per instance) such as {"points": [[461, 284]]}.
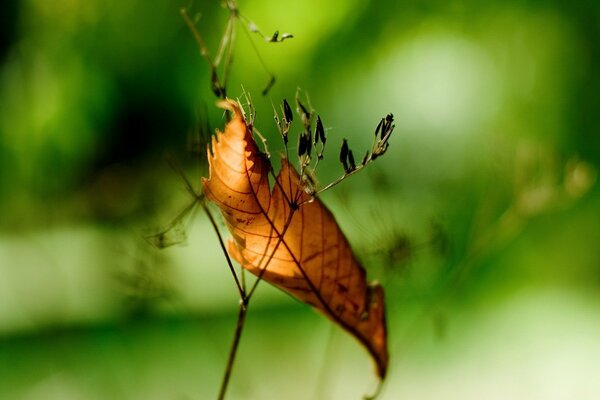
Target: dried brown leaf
{"points": [[300, 250]]}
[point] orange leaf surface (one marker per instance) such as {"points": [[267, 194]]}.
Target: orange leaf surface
{"points": [[299, 249]]}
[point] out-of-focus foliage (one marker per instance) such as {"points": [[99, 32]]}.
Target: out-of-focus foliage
{"points": [[481, 221]]}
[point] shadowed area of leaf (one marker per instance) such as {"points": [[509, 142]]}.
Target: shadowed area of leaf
{"points": [[290, 241]]}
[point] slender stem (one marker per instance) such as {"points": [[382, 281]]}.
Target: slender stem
{"points": [[234, 346], [201, 44], [244, 300], [229, 263], [230, 48], [218, 87], [263, 140], [262, 62], [224, 42], [341, 178]]}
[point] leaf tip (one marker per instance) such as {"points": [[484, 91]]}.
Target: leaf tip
{"points": [[378, 342], [230, 105]]}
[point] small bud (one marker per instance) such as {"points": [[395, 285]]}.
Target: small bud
{"points": [[305, 114], [344, 155], [387, 127], [301, 146], [344, 151], [319, 131], [308, 139], [378, 127], [384, 129], [304, 110], [351, 160], [287, 112], [365, 158], [274, 37]]}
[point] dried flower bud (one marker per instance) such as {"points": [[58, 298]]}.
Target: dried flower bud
{"points": [[344, 151], [384, 129], [287, 112], [378, 129], [304, 113], [387, 127], [301, 145], [365, 158], [304, 110], [351, 160], [308, 139], [319, 131], [344, 155]]}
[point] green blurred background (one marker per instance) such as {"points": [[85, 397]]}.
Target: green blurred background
{"points": [[481, 222]]}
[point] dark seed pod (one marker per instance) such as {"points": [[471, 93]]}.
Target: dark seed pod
{"points": [[379, 127], [344, 155], [301, 146], [308, 139], [345, 165], [287, 112], [319, 131], [304, 111], [344, 151], [351, 160], [274, 37], [365, 158], [388, 127]]}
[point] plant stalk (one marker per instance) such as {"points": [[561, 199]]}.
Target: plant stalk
{"points": [[234, 347]]}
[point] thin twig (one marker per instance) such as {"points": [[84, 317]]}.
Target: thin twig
{"points": [[234, 347], [201, 44], [230, 48], [244, 301], [222, 243], [272, 78]]}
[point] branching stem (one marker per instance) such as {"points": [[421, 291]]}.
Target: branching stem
{"points": [[244, 301]]}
